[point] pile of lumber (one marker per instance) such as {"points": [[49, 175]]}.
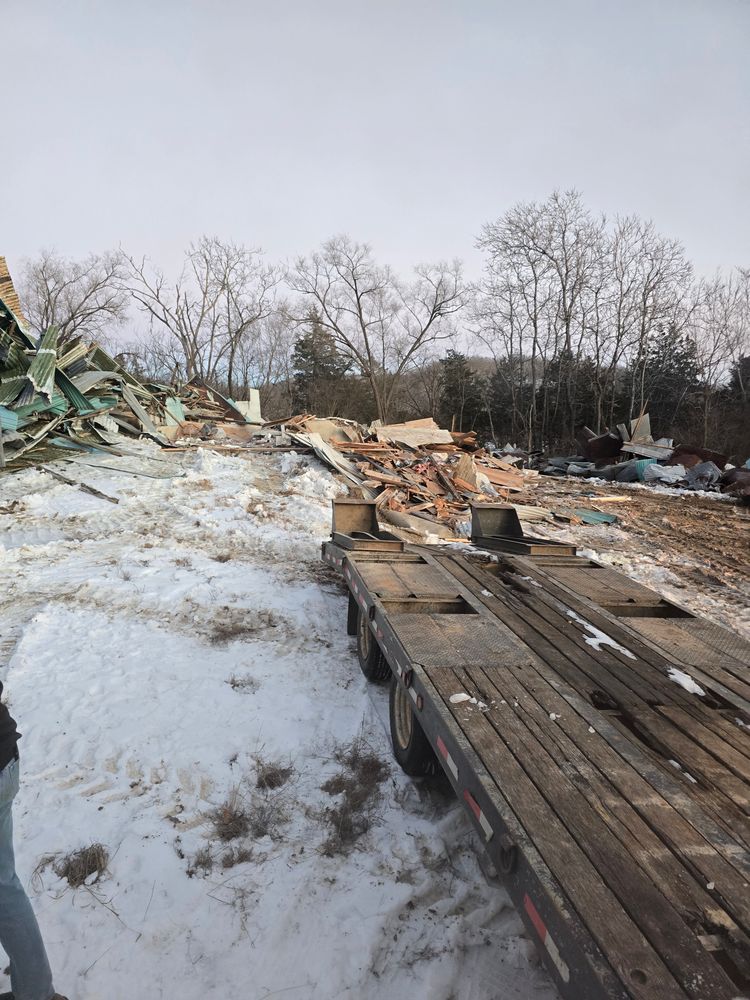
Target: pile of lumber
{"points": [[413, 469]]}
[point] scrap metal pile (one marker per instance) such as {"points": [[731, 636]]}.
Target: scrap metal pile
{"points": [[631, 455], [423, 478], [57, 397]]}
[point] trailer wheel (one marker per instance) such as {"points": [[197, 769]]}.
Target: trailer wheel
{"points": [[374, 665], [411, 748]]}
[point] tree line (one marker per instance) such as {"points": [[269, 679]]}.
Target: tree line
{"points": [[575, 320]]}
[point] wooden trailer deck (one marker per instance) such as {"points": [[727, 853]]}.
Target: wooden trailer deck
{"points": [[613, 799]]}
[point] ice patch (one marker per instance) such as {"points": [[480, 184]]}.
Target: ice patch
{"points": [[685, 681], [597, 638], [461, 697]]}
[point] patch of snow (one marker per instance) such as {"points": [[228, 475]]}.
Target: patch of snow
{"points": [[685, 681], [152, 652], [461, 697], [597, 638]]}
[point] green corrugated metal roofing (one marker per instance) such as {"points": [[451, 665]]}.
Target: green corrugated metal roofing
{"points": [[72, 393], [11, 384], [8, 419], [58, 404], [42, 368], [175, 411]]}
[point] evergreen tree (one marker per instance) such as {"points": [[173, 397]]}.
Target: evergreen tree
{"points": [[509, 404], [565, 400], [319, 372], [671, 374], [461, 406]]}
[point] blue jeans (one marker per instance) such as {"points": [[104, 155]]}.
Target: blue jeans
{"points": [[30, 976]]}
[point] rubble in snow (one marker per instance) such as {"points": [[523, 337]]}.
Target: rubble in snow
{"points": [[631, 455]]}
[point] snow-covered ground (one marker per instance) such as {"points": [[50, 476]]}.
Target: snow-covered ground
{"points": [[158, 655]]}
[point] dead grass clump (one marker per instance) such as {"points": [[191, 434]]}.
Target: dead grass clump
{"points": [[222, 557], [78, 867], [202, 484], [245, 683], [202, 862], [267, 815], [358, 786], [272, 775], [181, 561], [236, 856], [225, 632], [241, 625], [230, 820]]}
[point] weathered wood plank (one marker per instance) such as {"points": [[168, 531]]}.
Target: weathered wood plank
{"points": [[619, 937], [721, 791], [657, 918], [705, 817], [633, 632], [711, 741], [658, 838]]}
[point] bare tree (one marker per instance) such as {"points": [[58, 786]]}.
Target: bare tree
{"points": [[219, 301], [78, 297], [720, 326], [569, 307], [264, 360], [382, 323], [661, 287], [422, 390]]}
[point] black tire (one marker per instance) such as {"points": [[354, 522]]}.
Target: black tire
{"points": [[352, 617], [371, 660], [411, 748]]}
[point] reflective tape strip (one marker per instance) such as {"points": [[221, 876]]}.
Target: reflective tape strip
{"points": [[362, 600], [546, 938], [481, 818], [347, 574], [356, 587], [447, 758], [413, 694]]}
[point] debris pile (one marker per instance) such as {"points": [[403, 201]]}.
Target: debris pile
{"points": [[631, 455], [56, 397], [423, 477]]}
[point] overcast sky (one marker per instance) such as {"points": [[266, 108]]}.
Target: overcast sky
{"points": [[406, 123]]}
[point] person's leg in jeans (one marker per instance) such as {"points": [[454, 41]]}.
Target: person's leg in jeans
{"points": [[30, 976]]}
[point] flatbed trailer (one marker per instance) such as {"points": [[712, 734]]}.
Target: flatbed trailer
{"points": [[597, 735]]}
